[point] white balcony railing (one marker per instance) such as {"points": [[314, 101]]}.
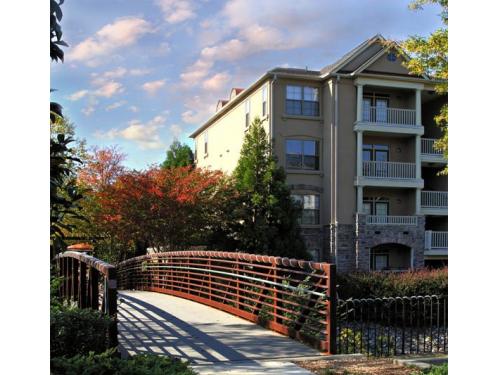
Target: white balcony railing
{"points": [[434, 199], [427, 147], [391, 220], [391, 116], [388, 169], [436, 240]]}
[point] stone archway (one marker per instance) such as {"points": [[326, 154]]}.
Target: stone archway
{"points": [[390, 257]]}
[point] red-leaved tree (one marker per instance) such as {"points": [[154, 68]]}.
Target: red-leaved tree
{"points": [[102, 167], [166, 209]]}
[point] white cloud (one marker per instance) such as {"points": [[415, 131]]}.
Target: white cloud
{"points": [[116, 105], [134, 108], [88, 110], [175, 11], [176, 131], [78, 95], [145, 135], [152, 87], [121, 33], [217, 82], [193, 74], [199, 108], [109, 89]]}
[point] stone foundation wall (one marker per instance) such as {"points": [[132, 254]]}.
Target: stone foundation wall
{"points": [[313, 239], [368, 236]]}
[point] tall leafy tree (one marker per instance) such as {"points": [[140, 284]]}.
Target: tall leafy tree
{"points": [[429, 55], [64, 195], [179, 155], [267, 216]]}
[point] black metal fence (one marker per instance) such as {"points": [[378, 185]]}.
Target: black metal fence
{"points": [[393, 326]]}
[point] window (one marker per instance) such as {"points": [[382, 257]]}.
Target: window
{"points": [[375, 107], [302, 101], [376, 206], [310, 208], [195, 151], [302, 154], [264, 101], [375, 152], [206, 143], [247, 113]]}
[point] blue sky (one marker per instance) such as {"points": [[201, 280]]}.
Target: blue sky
{"points": [[140, 73]]}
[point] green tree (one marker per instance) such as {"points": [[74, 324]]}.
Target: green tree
{"points": [[429, 56], [64, 195], [63, 125], [266, 215], [179, 155]]}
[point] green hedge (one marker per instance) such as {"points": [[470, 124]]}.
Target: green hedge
{"points": [[381, 284], [77, 331], [108, 363]]}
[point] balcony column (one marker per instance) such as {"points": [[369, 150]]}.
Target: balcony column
{"points": [[359, 199], [359, 105], [418, 203], [359, 154], [418, 107], [418, 157]]}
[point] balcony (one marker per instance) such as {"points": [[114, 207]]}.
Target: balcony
{"points": [[429, 153], [436, 242], [389, 174], [434, 202], [389, 120], [391, 220]]}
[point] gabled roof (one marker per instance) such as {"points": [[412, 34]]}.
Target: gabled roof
{"points": [[221, 103], [352, 55], [373, 49]]}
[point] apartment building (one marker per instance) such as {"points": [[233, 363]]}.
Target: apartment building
{"points": [[356, 140]]}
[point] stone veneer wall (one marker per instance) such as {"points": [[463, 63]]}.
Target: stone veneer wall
{"points": [[313, 239], [368, 236]]}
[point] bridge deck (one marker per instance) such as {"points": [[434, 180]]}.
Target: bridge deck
{"points": [[162, 324]]}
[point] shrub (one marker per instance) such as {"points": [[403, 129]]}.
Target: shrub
{"points": [[77, 331], [381, 284], [108, 363]]}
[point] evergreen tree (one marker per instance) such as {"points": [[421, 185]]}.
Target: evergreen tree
{"points": [[179, 155], [266, 214]]}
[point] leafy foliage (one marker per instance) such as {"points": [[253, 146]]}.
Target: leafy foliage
{"points": [[163, 208], [64, 194], [109, 364], [179, 155], [102, 167], [379, 284], [429, 55], [266, 213], [56, 53], [77, 331]]}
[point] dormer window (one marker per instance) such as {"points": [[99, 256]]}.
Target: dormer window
{"points": [[302, 101]]}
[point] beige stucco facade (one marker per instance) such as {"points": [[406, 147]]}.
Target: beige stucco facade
{"points": [[400, 121]]}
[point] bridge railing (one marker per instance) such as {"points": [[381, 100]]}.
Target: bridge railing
{"points": [[91, 283], [289, 296]]}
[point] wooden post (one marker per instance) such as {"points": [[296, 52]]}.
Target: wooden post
{"points": [[62, 273], [112, 306], [74, 280], [331, 309], [67, 287], [82, 286], [94, 288]]}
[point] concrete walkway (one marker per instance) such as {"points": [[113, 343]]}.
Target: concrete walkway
{"points": [[210, 339]]}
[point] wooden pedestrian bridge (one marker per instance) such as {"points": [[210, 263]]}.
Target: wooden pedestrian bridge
{"points": [[208, 306]]}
